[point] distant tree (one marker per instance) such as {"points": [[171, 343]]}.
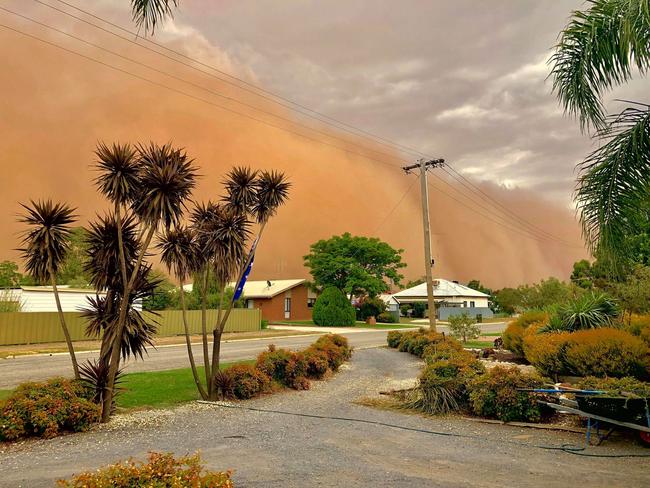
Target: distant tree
{"points": [[355, 265], [9, 275], [72, 272], [333, 309], [582, 274], [507, 300], [633, 294], [416, 282], [371, 307], [164, 295], [464, 327], [476, 285]]}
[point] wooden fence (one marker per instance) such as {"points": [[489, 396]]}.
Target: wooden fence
{"points": [[38, 327]]}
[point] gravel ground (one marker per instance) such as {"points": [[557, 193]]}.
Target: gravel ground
{"points": [[277, 450]]}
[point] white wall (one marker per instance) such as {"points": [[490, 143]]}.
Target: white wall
{"points": [[43, 301]]}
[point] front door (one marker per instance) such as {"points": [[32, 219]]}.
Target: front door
{"points": [[287, 308]]}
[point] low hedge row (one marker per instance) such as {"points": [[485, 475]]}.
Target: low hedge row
{"points": [[285, 369], [594, 352], [47, 410], [454, 380], [161, 471]]}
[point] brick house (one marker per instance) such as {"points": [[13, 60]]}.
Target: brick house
{"points": [[280, 299]]}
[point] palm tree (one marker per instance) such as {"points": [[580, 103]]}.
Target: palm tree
{"points": [[179, 251], [46, 245], [164, 181], [148, 13], [599, 49]]}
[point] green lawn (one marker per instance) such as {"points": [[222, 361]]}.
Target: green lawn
{"points": [[478, 344], [4, 394], [492, 334], [159, 389]]}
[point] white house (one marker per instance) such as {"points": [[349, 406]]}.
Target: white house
{"points": [[41, 298], [451, 298]]}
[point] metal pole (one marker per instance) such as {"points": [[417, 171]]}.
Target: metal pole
{"points": [[424, 190]]}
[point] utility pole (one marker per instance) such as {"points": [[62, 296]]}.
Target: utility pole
{"points": [[423, 165]]}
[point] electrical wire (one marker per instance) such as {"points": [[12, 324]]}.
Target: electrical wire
{"points": [[357, 131], [576, 450], [538, 236]]}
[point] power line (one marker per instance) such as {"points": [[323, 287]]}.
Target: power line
{"points": [[399, 202], [273, 96], [190, 95]]}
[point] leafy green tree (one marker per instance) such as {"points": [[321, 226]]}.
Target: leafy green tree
{"points": [[72, 272], [601, 48], [476, 285], [9, 275], [416, 282], [355, 265], [582, 274], [333, 309], [633, 294], [507, 300], [464, 327], [164, 295], [371, 307]]}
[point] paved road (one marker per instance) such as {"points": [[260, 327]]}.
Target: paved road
{"points": [[14, 371], [269, 449]]}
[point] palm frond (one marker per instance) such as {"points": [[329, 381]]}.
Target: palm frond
{"points": [[148, 13], [103, 251], [168, 178], [272, 192], [179, 251], [241, 189], [46, 241], [590, 311], [613, 180], [597, 51], [119, 172]]}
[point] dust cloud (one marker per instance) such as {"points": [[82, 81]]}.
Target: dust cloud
{"points": [[56, 106]]}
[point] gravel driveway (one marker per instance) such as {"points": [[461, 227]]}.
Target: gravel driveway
{"points": [[276, 450]]}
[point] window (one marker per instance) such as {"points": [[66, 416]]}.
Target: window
{"points": [[287, 305], [465, 304], [472, 304], [250, 303], [311, 302]]}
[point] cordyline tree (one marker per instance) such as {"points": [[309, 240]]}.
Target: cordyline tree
{"points": [[46, 244], [220, 242], [148, 13], [149, 186]]}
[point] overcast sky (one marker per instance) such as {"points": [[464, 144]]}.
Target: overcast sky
{"points": [[463, 79]]}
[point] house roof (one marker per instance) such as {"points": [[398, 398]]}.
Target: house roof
{"points": [[62, 289], [261, 289], [444, 289]]}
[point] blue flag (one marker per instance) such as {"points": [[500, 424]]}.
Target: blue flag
{"points": [[240, 286]]}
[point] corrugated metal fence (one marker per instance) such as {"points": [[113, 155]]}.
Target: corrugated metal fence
{"points": [[37, 327]]}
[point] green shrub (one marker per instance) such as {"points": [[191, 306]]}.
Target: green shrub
{"points": [[444, 349], [607, 352], [286, 367], [248, 381], [317, 363], [47, 409], [386, 318], [640, 326], [264, 324], [393, 338], [335, 347], [333, 309], [464, 327], [513, 336], [161, 471], [590, 311], [495, 395], [616, 386], [546, 352], [371, 307]]}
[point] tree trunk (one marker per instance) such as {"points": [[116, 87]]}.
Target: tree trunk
{"points": [[190, 354], [66, 332], [117, 340], [204, 328], [216, 353]]}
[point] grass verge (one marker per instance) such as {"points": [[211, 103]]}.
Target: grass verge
{"points": [[4, 394], [160, 389]]}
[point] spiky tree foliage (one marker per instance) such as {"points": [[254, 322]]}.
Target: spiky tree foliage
{"points": [[148, 14], [240, 185], [119, 172], [601, 48], [591, 311], [166, 179], [46, 243], [272, 192], [179, 252]]}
